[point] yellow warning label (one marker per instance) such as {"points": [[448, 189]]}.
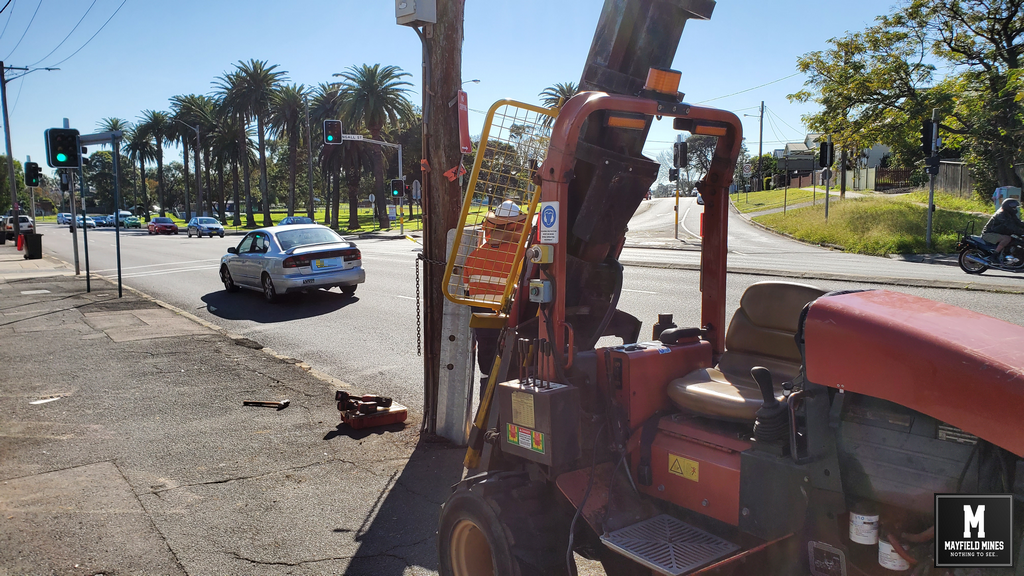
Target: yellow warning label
{"points": [[522, 409], [684, 467]]}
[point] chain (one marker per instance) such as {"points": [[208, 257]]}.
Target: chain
{"points": [[419, 333]]}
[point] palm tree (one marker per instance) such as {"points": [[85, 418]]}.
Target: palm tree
{"points": [[556, 95], [230, 92], [287, 116], [157, 125], [140, 149], [258, 82], [326, 106], [374, 96], [114, 124]]}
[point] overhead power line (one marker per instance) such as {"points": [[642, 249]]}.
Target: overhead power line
{"points": [[31, 20], [9, 18], [5, 6], [750, 89], [66, 37], [93, 36]]}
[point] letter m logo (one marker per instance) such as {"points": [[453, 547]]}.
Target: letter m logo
{"points": [[974, 520]]}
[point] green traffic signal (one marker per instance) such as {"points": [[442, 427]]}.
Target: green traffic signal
{"points": [[62, 149], [330, 138], [62, 157]]}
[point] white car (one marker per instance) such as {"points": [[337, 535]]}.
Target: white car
{"points": [[297, 258], [25, 224], [89, 222]]}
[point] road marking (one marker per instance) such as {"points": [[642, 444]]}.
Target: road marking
{"points": [[639, 291], [161, 264], [171, 271], [405, 297], [683, 223]]}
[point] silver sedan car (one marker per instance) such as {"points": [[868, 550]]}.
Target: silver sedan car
{"points": [[297, 258]]}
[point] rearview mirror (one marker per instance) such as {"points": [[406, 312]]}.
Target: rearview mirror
{"points": [[232, 250]]}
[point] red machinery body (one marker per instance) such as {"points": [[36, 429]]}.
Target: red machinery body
{"points": [[964, 368]]}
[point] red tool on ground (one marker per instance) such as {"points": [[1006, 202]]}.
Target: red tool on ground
{"points": [[368, 410]]}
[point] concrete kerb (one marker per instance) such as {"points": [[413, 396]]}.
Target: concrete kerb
{"points": [[236, 338]]}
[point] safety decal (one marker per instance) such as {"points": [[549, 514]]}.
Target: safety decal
{"points": [[684, 467], [549, 222], [525, 438]]}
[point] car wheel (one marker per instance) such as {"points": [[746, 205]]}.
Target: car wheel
{"points": [[229, 282], [269, 293], [348, 290], [221, 235], [211, 234], [175, 232], [189, 232]]}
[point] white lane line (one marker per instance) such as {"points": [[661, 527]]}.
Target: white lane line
{"points": [[639, 291], [405, 297], [161, 272], [683, 223], [123, 268]]}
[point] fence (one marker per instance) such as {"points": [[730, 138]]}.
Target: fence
{"points": [[889, 178], [955, 178]]}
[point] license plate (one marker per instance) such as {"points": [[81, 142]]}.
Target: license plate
{"points": [[327, 263], [309, 281]]}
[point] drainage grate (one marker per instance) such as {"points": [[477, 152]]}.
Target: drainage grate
{"points": [[668, 545]]}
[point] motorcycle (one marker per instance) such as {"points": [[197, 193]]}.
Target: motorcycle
{"points": [[977, 256]]}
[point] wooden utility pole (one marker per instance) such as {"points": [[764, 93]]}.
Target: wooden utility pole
{"points": [[442, 199]]}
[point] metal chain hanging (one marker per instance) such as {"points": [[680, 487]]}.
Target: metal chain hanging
{"points": [[419, 335]]}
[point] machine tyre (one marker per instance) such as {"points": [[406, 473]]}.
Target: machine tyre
{"points": [[968, 266], [229, 282], [503, 524]]}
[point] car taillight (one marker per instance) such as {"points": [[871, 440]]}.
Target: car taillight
{"points": [[297, 262], [353, 255]]}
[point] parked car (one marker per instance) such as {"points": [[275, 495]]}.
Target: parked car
{"points": [[132, 222], [700, 200], [162, 225], [203, 225], [294, 258], [25, 223], [296, 220], [110, 221], [89, 222], [63, 219]]}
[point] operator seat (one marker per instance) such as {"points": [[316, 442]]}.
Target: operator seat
{"points": [[762, 333]]}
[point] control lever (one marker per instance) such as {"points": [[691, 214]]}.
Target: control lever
{"points": [[772, 423]]}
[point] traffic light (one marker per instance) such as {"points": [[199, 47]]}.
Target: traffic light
{"points": [[332, 131], [31, 174], [932, 164], [826, 154], [679, 154], [397, 188], [62, 148], [673, 174], [926, 137]]}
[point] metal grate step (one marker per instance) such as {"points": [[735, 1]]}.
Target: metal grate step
{"points": [[668, 545]]}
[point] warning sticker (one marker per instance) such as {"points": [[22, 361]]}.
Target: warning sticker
{"points": [[684, 467], [549, 222], [525, 438], [522, 409]]}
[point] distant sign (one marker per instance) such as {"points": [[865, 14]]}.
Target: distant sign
{"points": [[746, 169], [351, 136], [373, 198], [392, 212], [415, 189]]}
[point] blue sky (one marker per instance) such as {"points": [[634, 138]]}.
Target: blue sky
{"points": [[151, 50]]}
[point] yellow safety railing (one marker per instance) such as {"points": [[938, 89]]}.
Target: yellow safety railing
{"points": [[497, 212]]}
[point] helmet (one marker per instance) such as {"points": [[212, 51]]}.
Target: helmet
{"points": [[1010, 205]]}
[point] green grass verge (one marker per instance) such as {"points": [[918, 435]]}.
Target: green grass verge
{"points": [[768, 199], [878, 226], [949, 202]]}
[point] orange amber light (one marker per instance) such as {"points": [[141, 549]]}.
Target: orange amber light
{"points": [[663, 80]]}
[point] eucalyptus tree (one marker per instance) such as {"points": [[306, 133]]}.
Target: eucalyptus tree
{"points": [[156, 124], [375, 97], [287, 120]]}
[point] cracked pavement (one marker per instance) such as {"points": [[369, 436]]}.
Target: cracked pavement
{"points": [[148, 463]]}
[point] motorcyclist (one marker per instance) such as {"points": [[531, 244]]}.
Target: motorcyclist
{"points": [[1000, 226]]}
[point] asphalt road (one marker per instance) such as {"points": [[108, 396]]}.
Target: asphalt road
{"points": [[370, 340]]}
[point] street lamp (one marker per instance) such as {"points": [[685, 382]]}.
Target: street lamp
{"points": [[474, 81], [199, 180]]}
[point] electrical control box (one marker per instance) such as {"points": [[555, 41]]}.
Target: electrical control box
{"points": [[540, 291], [539, 422], [416, 12]]}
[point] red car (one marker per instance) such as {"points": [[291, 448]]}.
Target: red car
{"points": [[162, 225]]}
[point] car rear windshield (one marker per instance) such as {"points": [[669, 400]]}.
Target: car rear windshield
{"points": [[306, 236], [163, 220], [208, 221]]}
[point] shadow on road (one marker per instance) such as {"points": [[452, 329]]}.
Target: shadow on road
{"points": [[400, 531], [249, 305]]}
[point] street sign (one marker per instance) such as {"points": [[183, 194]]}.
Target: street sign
{"points": [[415, 189], [465, 145], [746, 169], [392, 212], [351, 136], [373, 198]]}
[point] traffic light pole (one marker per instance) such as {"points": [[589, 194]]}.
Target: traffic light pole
{"points": [[15, 220]]}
